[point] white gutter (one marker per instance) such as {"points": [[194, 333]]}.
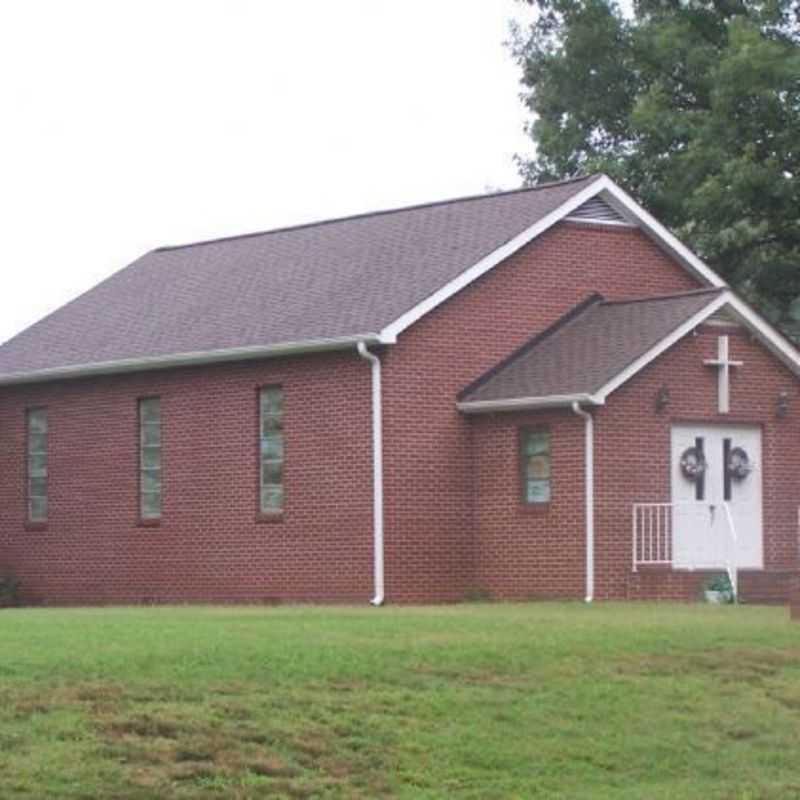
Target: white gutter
{"points": [[187, 359], [524, 403], [589, 481], [377, 472]]}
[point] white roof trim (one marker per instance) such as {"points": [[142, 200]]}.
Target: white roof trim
{"points": [[602, 185], [187, 359], [523, 403], [761, 329], [774, 341], [777, 344], [613, 195], [616, 196], [654, 352], [390, 332]]}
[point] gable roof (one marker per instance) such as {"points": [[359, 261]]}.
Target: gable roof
{"points": [[312, 287], [598, 346], [339, 280]]}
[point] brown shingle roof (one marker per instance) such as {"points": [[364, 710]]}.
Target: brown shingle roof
{"points": [[587, 348], [334, 279]]}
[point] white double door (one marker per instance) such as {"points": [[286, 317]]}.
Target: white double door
{"points": [[701, 530]]}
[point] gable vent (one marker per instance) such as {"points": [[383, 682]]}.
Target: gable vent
{"points": [[597, 210], [723, 317]]}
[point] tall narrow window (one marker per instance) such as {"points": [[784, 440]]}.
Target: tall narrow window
{"points": [[535, 458], [150, 458], [37, 465], [271, 433]]}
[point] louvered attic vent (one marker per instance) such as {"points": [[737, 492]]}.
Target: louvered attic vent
{"points": [[596, 210], [723, 317]]}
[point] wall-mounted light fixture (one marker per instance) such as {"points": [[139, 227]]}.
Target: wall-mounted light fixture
{"points": [[662, 398], [782, 406]]}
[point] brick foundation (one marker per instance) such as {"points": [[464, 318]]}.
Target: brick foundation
{"points": [[756, 587]]}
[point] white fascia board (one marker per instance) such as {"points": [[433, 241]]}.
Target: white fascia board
{"points": [[614, 195], [528, 403], [654, 352], [391, 331], [774, 341], [757, 325], [619, 199], [188, 359]]}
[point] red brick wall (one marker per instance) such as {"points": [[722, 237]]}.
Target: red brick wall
{"points": [[431, 543], [209, 546], [524, 551], [527, 555]]}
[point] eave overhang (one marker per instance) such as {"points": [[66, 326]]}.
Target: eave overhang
{"points": [[528, 403], [190, 359], [759, 328]]}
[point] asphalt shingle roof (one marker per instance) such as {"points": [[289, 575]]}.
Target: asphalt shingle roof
{"points": [[327, 280], [587, 347]]}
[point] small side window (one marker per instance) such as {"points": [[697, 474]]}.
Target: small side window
{"points": [[535, 467]]}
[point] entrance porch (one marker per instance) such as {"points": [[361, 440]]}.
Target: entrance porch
{"points": [[664, 567]]}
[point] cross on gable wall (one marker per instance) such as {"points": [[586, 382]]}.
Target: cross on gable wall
{"points": [[723, 364]]}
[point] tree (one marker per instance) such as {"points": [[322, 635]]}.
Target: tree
{"points": [[694, 105]]}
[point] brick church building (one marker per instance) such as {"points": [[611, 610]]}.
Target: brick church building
{"points": [[537, 393]]}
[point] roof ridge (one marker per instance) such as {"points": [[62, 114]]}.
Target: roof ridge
{"points": [[379, 212], [668, 296], [573, 313]]}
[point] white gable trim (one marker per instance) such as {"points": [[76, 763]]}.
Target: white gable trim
{"points": [[778, 344], [613, 195], [667, 342], [629, 208], [759, 327], [390, 333]]}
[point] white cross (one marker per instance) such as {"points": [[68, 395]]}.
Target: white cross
{"points": [[723, 363]]}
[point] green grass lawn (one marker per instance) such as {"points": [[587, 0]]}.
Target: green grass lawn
{"points": [[472, 701]]}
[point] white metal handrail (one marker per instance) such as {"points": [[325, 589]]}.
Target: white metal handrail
{"points": [[652, 534]]}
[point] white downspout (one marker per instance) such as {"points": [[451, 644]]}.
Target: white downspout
{"points": [[589, 471], [377, 472]]}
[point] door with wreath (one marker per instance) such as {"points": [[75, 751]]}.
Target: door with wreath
{"points": [[714, 466]]}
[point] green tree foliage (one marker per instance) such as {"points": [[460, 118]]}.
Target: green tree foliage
{"points": [[694, 105]]}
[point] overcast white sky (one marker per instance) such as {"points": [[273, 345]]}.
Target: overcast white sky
{"points": [[136, 123]]}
